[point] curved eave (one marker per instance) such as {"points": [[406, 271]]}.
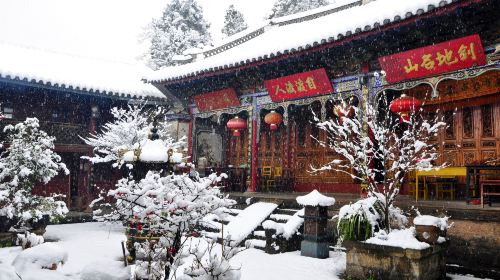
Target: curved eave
{"points": [[76, 89], [325, 43]]}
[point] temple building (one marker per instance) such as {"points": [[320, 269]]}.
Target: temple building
{"points": [[72, 97], [251, 100]]}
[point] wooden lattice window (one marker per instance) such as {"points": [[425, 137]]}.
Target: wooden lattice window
{"points": [[468, 122], [487, 119], [449, 119]]}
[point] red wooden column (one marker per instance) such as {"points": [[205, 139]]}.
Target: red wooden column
{"points": [[190, 134], [253, 184]]}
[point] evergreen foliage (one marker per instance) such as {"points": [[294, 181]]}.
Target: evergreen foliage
{"points": [[234, 22], [181, 27], [28, 159], [288, 7]]}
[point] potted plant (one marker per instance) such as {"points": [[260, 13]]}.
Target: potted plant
{"points": [[378, 149], [430, 229]]}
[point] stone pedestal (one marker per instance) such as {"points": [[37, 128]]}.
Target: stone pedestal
{"points": [[386, 262], [315, 243]]}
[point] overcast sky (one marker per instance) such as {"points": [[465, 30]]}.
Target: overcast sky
{"points": [[101, 28]]}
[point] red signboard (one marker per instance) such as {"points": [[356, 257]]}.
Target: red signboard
{"points": [[432, 60], [217, 100], [299, 85]]}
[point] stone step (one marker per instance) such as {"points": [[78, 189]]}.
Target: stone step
{"points": [[255, 243], [280, 217], [284, 211]]}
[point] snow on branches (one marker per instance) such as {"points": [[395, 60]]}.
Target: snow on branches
{"points": [[28, 159], [171, 206], [376, 149], [181, 27], [234, 22], [287, 7], [173, 202], [128, 131]]}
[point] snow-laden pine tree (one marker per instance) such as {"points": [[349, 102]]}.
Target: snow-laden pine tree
{"points": [[288, 7], [28, 159], [181, 27], [234, 21]]}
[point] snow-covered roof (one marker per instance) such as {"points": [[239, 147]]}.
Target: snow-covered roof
{"points": [[294, 33], [75, 72], [315, 198]]}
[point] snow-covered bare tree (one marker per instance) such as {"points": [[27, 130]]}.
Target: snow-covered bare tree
{"points": [[170, 207], [181, 27], [234, 21], [129, 130], [375, 148], [288, 7], [28, 159]]}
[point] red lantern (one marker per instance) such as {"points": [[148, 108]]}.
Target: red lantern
{"points": [[235, 124], [405, 105], [273, 119]]}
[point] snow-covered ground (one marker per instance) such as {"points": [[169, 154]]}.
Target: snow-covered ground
{"points": [[95, 249]]}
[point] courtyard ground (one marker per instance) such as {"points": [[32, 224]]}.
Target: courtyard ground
{"points": [[95, 247]]}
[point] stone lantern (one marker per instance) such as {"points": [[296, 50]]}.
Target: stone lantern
{"points": [[315, 243]]}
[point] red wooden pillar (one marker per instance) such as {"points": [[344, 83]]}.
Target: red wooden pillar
{"points": [[253, 185], [190, 135]]}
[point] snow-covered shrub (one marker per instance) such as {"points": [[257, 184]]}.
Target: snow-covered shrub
{"points": [[44, 256], [28, 240], [362, 219], [129, 130], [29, 159], [378, 150], [172, 206], [209, 261]]}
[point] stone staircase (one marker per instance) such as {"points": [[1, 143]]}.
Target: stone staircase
{"points": [[267, 238]]}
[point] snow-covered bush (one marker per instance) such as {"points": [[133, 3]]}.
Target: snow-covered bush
{"points": [[172, 207], [378, 150], [44, 256], [362, 219], [28, 240], [28, 159], [128, 130], [209, 261]]}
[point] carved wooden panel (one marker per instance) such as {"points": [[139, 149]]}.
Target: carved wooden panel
{"points": [[488, 144], [468, 145], [449, 119], [488, 155], [451, 158], [487, 121], [450, 146], [469, 157], [468, 123]]}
